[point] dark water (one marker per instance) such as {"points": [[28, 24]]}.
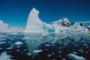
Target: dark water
{"points": [[17, 48]]}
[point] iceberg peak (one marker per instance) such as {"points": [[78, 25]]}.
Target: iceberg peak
{"points": [[34, 23]]}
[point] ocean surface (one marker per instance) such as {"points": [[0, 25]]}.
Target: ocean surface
{"points": [[19, 46]]}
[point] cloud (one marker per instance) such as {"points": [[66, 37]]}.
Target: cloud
{"points": [[16, 29], [4, 27]]}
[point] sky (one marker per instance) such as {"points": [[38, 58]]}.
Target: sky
{"points": [[15, 12]]}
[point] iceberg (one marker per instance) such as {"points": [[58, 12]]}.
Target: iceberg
{"points": [[54, 32], [34, 23]]}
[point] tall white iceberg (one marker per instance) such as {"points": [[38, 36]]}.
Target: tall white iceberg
{"points": [[34, 24]]}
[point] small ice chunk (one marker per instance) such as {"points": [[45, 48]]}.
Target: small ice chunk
{"points": [[28, 54], [0, 48], [47, 45], [49, 55], [4, 56], [75, 57], [9, 48], [37, 51], [18, 50], [2, 42], [18, 43]]}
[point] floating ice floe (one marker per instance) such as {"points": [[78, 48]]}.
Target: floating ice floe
{"points": [[4, 56], [75, 57], [18, 43], [37, 51]]}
